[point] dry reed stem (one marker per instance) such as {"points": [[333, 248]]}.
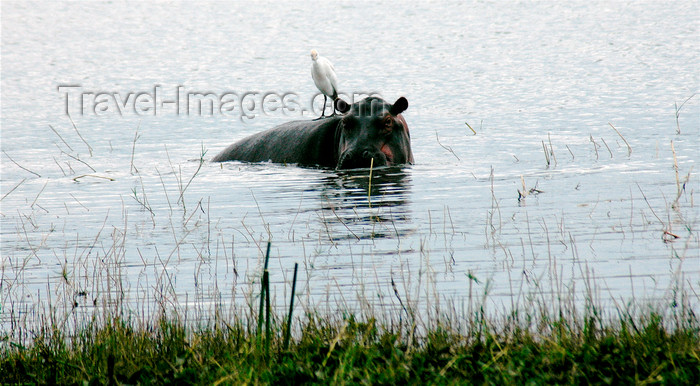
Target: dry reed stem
{"points": [[629, 148], [470, 128], [20, 166], [595, 146], [79, 160], [678, 112], [607, 147], [13, 189], [551, 149], [61, 138], [79, 135], [132, 168], [93, 176], [446, 147], [570, 152], [369, 188]]}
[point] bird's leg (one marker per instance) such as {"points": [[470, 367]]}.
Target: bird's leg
{"points": [[323, 111], [333, 103]]}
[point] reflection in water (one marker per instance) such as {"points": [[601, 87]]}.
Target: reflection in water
{"points": [[355, 207]]}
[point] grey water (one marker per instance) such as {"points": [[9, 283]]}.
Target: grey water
{"points": [[587, 107]]}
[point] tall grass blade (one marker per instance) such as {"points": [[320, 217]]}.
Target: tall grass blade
{"points": [[288, 331]]}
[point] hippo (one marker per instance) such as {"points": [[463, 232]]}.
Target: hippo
{"points": [[370, 129]]}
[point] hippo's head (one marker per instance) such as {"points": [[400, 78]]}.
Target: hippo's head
{"points": [[374, 129]]}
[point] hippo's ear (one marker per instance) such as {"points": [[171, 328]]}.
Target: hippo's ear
{"points": [[342, 106], [399, 106]]}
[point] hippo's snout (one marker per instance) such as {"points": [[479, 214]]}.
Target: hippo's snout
{"points": [[363, 159]]}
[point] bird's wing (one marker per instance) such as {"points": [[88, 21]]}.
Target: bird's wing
{"points": [[321, 79], [329, 72], [334, 81], [326, 64]]}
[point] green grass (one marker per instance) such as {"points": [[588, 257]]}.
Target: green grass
{"points": [[350, 351]]}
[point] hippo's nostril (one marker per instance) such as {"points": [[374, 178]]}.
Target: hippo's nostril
{"points": [[366, 154]]}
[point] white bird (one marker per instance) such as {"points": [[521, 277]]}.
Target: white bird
{"points": [[323, 73]]}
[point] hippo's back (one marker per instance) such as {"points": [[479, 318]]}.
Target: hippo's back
{"points": [[298, 142]]}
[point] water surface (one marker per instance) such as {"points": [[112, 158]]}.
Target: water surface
{"points": [[109, 208]]}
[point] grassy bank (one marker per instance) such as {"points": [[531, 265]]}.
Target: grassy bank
{"points": [[540, 341], [646, 350]]}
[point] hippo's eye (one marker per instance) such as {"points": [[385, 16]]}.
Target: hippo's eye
{"points": [[388, 123]]}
